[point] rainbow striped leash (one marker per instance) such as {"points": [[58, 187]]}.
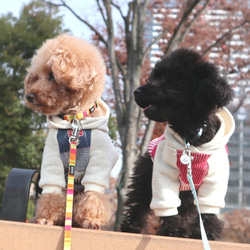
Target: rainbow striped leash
{"points": [[73, 140], [186, 158]]}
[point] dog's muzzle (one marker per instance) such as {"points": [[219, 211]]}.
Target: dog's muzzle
{"points": [[33, 99], [30, 97]]}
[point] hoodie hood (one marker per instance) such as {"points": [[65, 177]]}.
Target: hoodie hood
{"points": [[220, 139], [97, 122]]}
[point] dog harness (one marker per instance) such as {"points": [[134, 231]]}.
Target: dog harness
{"points": [[82, 156], [193, 169], [74, 141], [199, 165]]}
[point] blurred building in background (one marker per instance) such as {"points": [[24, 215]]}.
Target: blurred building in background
{"points": [[238, 194]]}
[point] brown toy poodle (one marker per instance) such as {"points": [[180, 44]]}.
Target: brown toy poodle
{"points": [[189, 94], [67, 77]]}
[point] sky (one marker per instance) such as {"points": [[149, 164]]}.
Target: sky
{"points": [[86, 9], [13, 6], [70, 22]]}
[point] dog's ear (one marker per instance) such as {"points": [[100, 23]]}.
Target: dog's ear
{"points": [[69, 70], [212, 90]]}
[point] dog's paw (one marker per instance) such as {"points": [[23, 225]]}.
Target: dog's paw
{"points": [[50, 209], [91, 210], [213, 226], [171, 231], [127, 228], [172, 226], [96, 225], [44, 222]]}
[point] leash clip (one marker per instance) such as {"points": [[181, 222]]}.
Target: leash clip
{"points": [[76, 126], [186, 157]]}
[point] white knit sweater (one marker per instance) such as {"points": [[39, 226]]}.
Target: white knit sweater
{"points": [[94, 161], [210, 165]]}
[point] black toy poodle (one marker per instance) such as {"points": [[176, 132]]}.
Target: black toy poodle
{"points": [[189, 94]]}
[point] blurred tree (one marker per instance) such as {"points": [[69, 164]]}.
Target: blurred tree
{"points": [[22, 132], [180, 23]]}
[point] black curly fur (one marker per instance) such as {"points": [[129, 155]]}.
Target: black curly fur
{"points": [[185, 91], [139, 197]]}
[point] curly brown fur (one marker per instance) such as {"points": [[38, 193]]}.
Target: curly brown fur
{"points": [[185, 91], [91, 210], [66, 76], [50, 209]]}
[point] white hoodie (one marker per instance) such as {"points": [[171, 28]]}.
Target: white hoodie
{"points": [[95, 158], [210, 168]]}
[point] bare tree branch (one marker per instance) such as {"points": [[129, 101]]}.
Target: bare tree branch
{"points": [[240, 104], [182, 35], [147, 136], [187, 29], [120, 11], [149, 47], [134, 43], [113, 59], [223, 36], [119, 65], [142, 9], [63, 4], [175, 37], [245, 93], [109, 25], [103, 16]]}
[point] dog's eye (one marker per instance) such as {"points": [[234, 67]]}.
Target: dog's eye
{"points": [[162, 79], [30, 79], [51, 76]]}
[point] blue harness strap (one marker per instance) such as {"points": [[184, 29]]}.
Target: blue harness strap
{"points": [[203, 232], [187, 159]]}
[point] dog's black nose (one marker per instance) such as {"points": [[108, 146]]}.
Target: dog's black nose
{"points": [[137, 92], [30, 97]]}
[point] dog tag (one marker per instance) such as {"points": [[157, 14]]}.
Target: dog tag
{"points": [[185, 159]]}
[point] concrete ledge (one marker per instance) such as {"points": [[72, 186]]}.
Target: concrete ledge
{"points": [[23, 236]]}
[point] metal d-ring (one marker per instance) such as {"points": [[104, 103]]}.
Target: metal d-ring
{"points": [[76, 127]]}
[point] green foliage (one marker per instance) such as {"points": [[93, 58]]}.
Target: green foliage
{"points": [[112, 124], [30, 209], [22, 132]]}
